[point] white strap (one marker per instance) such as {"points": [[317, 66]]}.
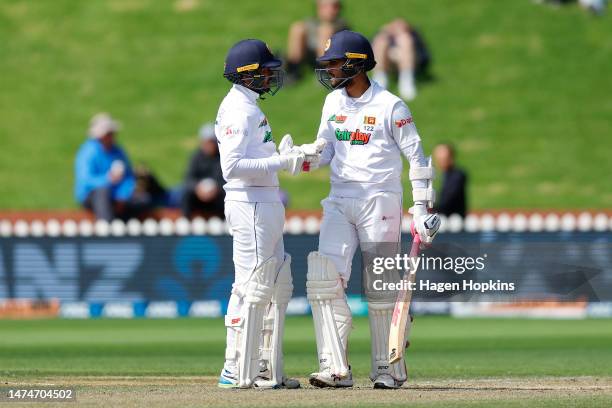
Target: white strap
{"points": [[421, 173], [424, 194]]}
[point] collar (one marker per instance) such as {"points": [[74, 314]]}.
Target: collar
{"points": [[250, 95], [355, 103]]}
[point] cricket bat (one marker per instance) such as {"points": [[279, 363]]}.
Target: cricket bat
{"points": [[397, 332]]}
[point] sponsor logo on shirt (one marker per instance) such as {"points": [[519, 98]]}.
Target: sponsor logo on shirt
{"points": [[369, 120], [231, 131], [355, 138], [268, 137], [263, 123], [337, 118], [403, 122]]}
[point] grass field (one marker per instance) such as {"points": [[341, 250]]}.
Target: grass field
{"points": [[523, 90], [452, 362]]}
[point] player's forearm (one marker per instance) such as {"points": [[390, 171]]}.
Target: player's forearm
{"points": [[416, 158], [251, 168]]}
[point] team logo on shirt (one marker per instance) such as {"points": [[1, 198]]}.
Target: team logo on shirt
{"points": [[403, 122], [355, 138], [263, 123], [268, 137], [369, 120], [337, 118]]}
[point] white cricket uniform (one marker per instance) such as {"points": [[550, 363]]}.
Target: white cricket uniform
{"points": [[253, 209], [366, 138]]}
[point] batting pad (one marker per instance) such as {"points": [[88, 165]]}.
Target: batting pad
{"points": [[380, 315], [330, 312], [274, 324], [258, 294]]}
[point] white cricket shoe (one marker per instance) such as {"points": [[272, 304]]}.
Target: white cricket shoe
{"points": [[287, 383], [227, 379], [385, 381], [263, 380], [325, 379]]}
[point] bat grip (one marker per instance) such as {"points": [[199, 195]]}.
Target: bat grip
{"points": [[416, 243]]}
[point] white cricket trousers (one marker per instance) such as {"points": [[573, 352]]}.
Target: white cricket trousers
{"points": [[257, 231], [348, 222]]}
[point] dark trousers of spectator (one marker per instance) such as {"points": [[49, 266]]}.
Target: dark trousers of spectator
{"points": [[191, 206], [101, 202]]}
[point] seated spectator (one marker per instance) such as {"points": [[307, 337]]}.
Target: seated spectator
{"points": [[452, 198], [104, 181], [596, 7], [399, 44], [203, 187], [307, 38]]}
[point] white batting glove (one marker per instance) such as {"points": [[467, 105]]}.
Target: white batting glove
{"points": [[312, 152], [292, 158], [426, 225]]}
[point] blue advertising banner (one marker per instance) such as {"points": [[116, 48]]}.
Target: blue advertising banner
{"points": [[175, 268]]}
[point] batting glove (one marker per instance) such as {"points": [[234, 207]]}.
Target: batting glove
{"points": [[292, 158], [312, 152], [424, 224]]}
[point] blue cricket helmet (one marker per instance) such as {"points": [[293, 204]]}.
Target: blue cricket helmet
{"points": [[245, 62], [356, 52], [349, 45], [248, 55]]}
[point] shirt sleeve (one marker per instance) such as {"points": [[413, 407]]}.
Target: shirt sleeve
{"points": [[326, 134], [408, 140], [233, 142]]}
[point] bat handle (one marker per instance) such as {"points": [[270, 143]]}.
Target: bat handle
{"points": [[416, 243]]}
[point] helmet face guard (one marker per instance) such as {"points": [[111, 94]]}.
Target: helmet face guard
{"points": [[267, 80], [342, 76]]}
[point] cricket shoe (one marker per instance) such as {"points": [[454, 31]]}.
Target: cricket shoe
{"points": [[266, 383], [227, 379], [263, 380], [326, 379], [386, 382]]}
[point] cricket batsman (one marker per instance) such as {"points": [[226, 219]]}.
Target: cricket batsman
{"points": [[364, 131], [255, 216]]}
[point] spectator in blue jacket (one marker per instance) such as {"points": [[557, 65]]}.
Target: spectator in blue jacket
{"points": [[104, 180]]}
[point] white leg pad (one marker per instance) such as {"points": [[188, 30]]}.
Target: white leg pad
{"points": [[274, 324], [380, 315], [233, 323], [330, 312], [257, 295]]}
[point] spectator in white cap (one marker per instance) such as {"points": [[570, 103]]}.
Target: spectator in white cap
{"points": [[104, 181], [203, 186]]}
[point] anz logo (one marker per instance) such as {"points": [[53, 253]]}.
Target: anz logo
{"points": [[97, 270], [68, 271]]}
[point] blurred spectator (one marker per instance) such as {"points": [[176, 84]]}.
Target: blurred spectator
{"points": [[203, 188], [398, 44], [594, 6], [307, 37], [104, 181], [147, 184], [452, 198]]}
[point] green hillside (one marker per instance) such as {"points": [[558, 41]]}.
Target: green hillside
{"points": [[522, 89]]}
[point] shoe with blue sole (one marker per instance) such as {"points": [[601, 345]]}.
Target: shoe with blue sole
{"points": [[227, 380]]}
